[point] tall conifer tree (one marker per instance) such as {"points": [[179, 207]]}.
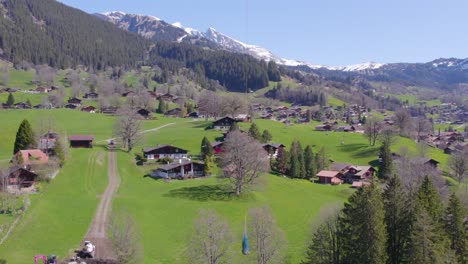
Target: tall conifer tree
{"points": [[24, 137], [362, 228]]}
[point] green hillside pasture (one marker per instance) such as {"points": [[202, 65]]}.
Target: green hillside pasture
{"points": [[23, 97], [165, 212], [66, 121], [58, 218], [355, 148]]}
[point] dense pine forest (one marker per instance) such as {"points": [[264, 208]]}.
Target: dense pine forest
{"points": [[48, 32]]}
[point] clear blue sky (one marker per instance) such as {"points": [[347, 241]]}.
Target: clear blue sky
{"points": [[329, 32]]}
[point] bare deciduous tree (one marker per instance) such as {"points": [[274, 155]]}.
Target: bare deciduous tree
{"points": [[268, 240], [422, 125], [243, 160], [44, 75], [127, 127], [125, 238], [4, 75], [372, 129], [458, 164], [210, 241], [412, 173], [403, 121]]}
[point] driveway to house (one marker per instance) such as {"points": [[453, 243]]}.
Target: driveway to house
{"points": [[97, 230]]}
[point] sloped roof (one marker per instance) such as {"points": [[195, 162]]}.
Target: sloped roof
{"points": [[178, 164], [81, 138], [30, 156], [327, 174]]}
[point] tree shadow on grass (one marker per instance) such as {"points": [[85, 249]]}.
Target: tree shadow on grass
{"points": [[366, 152], [204, 193], [352, 147]]}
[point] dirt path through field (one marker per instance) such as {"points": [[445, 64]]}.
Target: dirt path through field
{"points": [[141, 132], [97, 230]]}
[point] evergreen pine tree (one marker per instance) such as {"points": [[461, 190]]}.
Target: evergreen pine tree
{"points": [[24, 137], [456, 229], [183, 111], [206, 149], [283, 161], [297, 166], [321, 159], [397, 220], [425, 244], [254, 132], [28, 103], [362, 227], [386, 163], [10, 100], [266, 136], [162, 107], [309, 163], [428, 198], [207, 165]]}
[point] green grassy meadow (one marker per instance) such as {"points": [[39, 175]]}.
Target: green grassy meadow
{"points": [[58, 217], [165, 212]]}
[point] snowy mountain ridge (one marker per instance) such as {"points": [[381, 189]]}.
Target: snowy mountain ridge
{"points": [[155, 28]]}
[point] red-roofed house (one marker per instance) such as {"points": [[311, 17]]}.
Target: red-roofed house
{"points": [[329, 177], [31, 157]]}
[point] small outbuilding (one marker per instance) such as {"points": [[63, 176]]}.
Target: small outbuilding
{"points": [[81, 141]]}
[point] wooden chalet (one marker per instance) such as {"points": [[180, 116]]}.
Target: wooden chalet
{"points": [[426, 161], [18, 177], [109, 110], [224, 123], [179, 170], [329, 177], [194, 115], [89, 109], [272, 149], [325, 127], [359, 184], [144, 114], [217, 147], [168, 97], [91, 95], [47, 142], [42, 89], [174, 112], [164, 151], [70, 106], [22, 105], [242, 118], [30, 157], [74, 101], [129, 94], [81, 141]]}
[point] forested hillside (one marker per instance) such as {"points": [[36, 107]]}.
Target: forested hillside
{"points": [[48, 32]]}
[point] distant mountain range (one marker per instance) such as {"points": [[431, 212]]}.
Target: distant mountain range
{"points": [[437, 73]]}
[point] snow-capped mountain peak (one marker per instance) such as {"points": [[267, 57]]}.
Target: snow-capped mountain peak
{"points": [[154, 28]]}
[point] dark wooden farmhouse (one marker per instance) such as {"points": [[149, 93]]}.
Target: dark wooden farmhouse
{"points": [[174, 112], [81, 141], [224, 123], [329, 177], [164, 151], [18, 177], [179, 170], [144, 114], [74, 101], [91, 95], [272, 149]]}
